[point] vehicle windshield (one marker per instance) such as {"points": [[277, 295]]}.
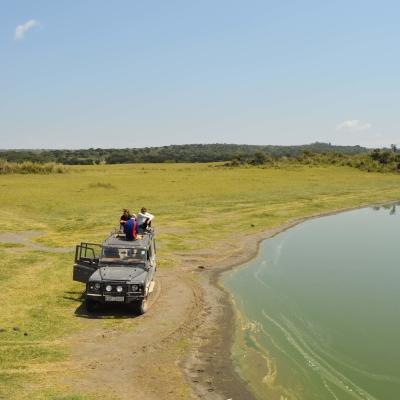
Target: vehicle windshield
{"points": [[122, 255]]}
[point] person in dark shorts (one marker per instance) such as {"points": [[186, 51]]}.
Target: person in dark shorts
{"points": [[144, 219]]}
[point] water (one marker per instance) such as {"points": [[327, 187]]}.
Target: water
{"points": [[319, 310]]}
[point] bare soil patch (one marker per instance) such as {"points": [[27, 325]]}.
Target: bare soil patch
{"points": [[143, 361], [25, 238]]}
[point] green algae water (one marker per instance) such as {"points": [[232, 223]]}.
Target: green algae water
{"points": [[319, 310]]}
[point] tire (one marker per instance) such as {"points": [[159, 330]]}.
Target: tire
{"points": [[140, 307], [90, 305]]}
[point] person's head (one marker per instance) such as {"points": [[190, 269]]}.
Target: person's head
{"points": [[132, 216], [143, 210], [125, 211]]}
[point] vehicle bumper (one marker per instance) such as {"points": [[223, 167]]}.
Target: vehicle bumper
{"points": [[128, 298]]}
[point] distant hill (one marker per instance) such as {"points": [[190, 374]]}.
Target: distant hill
{"points": [[173, 153]]}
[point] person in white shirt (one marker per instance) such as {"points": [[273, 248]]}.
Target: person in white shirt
{"points": [[144, 219]]}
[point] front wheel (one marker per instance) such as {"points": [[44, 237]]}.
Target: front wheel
{"points": [[140, 307], [90, 305]]}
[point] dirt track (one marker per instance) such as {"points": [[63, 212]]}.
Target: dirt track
{"points": [[142, 362], [178, 350]]}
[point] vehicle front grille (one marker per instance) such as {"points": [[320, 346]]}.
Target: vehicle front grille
{"points": [[114, 288]]}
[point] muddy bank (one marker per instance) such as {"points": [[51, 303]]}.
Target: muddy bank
{"points": [[210, 369]]}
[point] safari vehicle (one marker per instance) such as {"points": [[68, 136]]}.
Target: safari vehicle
{"points": [[117, 271]]}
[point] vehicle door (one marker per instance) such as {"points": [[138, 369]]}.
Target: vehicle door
{"points": [[86, 261], [152, 260]]}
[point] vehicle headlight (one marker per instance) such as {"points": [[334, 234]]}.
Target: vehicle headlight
{"points": [[108, 288], [94, 286], [135, 288], [119, 289]]}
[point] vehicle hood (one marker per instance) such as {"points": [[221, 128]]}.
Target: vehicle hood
{"points": [[119, 273]]}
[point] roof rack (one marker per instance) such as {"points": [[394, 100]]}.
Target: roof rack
{"points": [[116, 237], [117, 233]]}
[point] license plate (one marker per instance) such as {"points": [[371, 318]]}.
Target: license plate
{"points": [[114, 298]]}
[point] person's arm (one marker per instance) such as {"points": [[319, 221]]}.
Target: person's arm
{"points": [[150, 217]]}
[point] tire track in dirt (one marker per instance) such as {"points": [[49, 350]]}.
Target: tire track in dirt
{"points": [[142, 362]]}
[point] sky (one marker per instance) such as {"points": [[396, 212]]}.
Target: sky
{"points": [[79, 74]]}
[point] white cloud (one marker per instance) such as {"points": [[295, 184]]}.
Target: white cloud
{"points": [[353, 125], [20, 30]]}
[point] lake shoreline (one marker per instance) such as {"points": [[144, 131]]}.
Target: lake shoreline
{"points": [[211, 355]]}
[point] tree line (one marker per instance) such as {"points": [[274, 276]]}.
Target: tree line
{"points": [[190, 153], [54, 161]]}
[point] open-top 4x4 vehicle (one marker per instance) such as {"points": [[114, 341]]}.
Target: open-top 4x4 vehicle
{"points": [[117, 271]]}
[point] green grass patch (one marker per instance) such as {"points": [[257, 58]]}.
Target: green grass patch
{"points": [[11, 245]]}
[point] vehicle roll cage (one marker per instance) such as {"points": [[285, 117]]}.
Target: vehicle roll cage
{"points": [[90, 253]]}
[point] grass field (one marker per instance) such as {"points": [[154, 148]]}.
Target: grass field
{"points": [[195, 205]]}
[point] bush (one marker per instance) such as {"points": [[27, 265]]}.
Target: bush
{"points": [[29, 167], [102, 185], [374, 161]]}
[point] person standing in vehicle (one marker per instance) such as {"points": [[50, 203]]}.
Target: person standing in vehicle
{"points": [[130, 229], [144, 219]]}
